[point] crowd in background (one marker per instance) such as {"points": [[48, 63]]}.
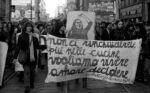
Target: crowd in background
{"points": [[116, 30]]}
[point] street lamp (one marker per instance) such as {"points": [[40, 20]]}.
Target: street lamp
{"points": [[31, 10]]}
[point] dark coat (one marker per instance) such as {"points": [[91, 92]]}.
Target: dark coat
{"points": [[23, 44], [118, 34], [107, 35]]}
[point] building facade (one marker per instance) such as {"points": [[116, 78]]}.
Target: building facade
{"points": [[136, 10], [5, 8], [32, 9]]}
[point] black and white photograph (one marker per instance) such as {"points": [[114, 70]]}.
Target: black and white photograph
{"points": [[74, 46]]}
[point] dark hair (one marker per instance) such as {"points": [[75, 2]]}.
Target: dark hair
{"points": [[25, 26], [118, 22], [3, 25], [108, 23], [142, 30], [40, 25]]}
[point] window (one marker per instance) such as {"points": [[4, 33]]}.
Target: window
{"points": [[122, 3]]}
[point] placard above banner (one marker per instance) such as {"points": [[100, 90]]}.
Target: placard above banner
{"points": [[80, 25]]}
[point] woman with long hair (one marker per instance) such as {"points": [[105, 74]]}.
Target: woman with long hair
{"points": [[119, 33], [26, 53]]}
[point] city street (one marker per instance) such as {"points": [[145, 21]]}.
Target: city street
{"points": [[106, 42], [94, 86]]}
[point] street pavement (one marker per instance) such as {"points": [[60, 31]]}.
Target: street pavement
{"points": [[93, 86]]}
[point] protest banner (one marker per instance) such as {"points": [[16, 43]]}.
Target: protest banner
{"points": [[3, 54], [112, 61], [80, 25]]}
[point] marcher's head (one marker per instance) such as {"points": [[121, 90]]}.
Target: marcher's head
{"points": [[62, 30], [28, 27], [139, 27], [9, 25], [119, 24], [4, 25], [19, 26], [97, 27], [40, 27], [53, 22], [49, 28], [109, 26], [103, 24]]}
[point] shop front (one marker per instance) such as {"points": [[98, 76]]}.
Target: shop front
{"points": [[133, 13]]}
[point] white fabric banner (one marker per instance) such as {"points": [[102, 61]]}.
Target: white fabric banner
{"points": [[112, 61], [3, 54]]}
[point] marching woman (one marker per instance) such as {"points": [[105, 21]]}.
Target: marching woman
{"points": [[25, 52]]}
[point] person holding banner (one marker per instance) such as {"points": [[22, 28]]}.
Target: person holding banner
{"points": [[119, 33], [25, 52], [42, 56]]}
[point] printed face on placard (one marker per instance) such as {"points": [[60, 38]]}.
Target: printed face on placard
{"points": [[78, 24]]}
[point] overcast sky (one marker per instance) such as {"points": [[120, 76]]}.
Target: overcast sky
{"points": [[51, 6]]}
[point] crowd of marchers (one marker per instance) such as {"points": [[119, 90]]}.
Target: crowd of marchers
{"points": [[20, 39]]}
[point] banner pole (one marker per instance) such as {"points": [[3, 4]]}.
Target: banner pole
{"points": [[66, 83], [66, 87]]}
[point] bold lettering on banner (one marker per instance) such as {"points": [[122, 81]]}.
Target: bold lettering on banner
{"points": [[110, 72], [73, 43], [56, 50], [76, 51], [84, 62], [106, 53], [114, 62], [54, 72], [109, 44], [58, 41]]}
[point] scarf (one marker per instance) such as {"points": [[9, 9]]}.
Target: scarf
{"points": [[31, 46]]}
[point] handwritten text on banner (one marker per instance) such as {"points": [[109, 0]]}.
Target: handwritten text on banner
{"points": [[113, 61]]}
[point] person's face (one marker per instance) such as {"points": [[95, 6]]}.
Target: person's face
{"points": [[109, 26], [78, 24], [62, 30], [29, 28], [103, 25], [97, 28], [9, 25], [53, 22], [4, 25], [120, 24], [20, 26], [131, 28], [114, 26], [41, 28], [137, 29], [49, 29]]}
